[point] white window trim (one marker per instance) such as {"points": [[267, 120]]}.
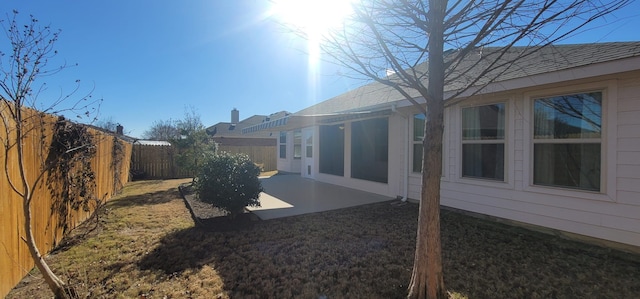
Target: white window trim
{"points": [[293, 151], [445, 145], [280, 144], [509, 134], [608, 140], [412, 142]]}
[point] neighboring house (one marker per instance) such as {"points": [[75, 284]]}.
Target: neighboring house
{"points": [[553, 141], [259, 145], [230, 133]]}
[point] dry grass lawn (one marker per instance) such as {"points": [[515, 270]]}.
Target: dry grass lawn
{"points": [[148, 247]]}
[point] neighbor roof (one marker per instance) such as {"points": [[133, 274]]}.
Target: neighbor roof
{"points": [[227, 129]]}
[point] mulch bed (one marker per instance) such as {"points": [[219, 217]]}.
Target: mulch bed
{"points": [[208, 217]]}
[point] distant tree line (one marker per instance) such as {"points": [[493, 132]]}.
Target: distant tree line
{"points": [[194, 145]]}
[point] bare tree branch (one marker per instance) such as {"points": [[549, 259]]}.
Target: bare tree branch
{"points": [[21, 67]]}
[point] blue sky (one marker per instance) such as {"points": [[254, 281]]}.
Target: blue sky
{"points": [[150, 59]]}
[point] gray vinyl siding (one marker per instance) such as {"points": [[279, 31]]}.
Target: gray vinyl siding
{"points": [[614, 216]]}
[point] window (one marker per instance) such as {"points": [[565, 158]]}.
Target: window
{"points": [[332, 149], [418, 137], [370, 150], [283, 145], [566, 141], [297, 144], [483, 142], [309, 146]]}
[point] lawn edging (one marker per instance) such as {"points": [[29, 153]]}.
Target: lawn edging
{"points": [[208, 217], [182, 188]]}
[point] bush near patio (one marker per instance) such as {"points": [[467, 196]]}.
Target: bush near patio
{"points": [[229, 182]]}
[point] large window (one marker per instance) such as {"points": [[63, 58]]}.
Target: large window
{"points": [[483, 142], [370, 150], [418, 137], [566, 141], [332, 149], [283, 145], [297, 144]]}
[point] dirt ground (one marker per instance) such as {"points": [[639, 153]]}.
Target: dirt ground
{"points": [[149, 247]]}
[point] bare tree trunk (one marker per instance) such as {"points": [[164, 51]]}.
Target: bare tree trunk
{"points": [[57, 286], [427, 279]]}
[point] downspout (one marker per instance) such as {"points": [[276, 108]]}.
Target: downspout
{"points": [[407, 136]]}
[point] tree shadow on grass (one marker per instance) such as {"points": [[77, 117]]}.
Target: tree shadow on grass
{"points": [[151, 198], [192, 248], [367, 252], [179, 251], [92, 226], [296, 257], [486, 259]]}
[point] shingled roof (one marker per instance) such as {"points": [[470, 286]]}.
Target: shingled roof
{"points": [[227, 129], [530, 61], [516, 64]]}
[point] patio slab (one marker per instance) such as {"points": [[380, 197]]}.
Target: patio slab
{"points": [[290, 194]]}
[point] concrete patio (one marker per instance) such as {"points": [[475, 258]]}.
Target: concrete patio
{"points": [[290, 194]]}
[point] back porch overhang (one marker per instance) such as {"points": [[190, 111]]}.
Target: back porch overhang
{"points": [[294, 121]]}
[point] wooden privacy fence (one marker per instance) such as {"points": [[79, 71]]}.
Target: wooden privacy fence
{"points": [[51, 218], [155, 162], [159, 161]]}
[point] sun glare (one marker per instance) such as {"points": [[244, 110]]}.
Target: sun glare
{"points": [[313, 17]]}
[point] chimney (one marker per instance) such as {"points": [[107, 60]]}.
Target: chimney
{"points": [[235, 116], [119, 129]]}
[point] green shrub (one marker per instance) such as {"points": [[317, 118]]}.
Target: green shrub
{"points": [[229, 182]]}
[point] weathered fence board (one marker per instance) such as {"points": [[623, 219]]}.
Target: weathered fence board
{"points": [[111, 167], [158, 161]]}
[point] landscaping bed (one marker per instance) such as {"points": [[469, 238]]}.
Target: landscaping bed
{"points": [[149, 247], [208, 217]]}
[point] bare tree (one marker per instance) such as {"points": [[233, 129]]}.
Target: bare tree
{"points": [[189, 137], [173, 129], [162, 130], [108, 124], [191, 121], [407, 39], [21, 67]]}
